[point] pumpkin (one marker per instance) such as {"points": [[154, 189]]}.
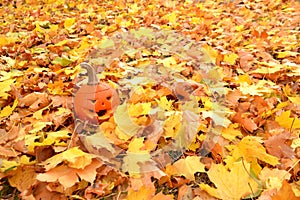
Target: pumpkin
{"points": [[95, 101]]}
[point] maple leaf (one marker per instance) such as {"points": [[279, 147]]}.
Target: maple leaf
{"points": [[276, 146], [251, 149], [231, 132], [124, 121], [5, 88], [7, 111], [287, 122], [231, 58], [99, 145], [285, 192], [272, 178], [144, 193], [74, 157], [233, 184], [68, 176], [24, 178], [133, 162], [189, 166]]}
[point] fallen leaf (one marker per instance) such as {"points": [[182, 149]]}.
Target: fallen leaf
{"points": [[231, 133], [285, 192], [231, 58], [288, 122], [144, 193], [252, 150], [124, 121], [230, 184], [68, 176], [273, 178], [189, 166], [7, 110], [74, 157], [277, 146], [24, 178]]}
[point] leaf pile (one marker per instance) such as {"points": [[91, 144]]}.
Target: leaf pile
{"points": [[253, 151]]}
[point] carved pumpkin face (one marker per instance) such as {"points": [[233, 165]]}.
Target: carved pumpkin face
{"points": [[96, 101]]}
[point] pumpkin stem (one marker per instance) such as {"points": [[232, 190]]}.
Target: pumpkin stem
{"points": [[92, 77]]}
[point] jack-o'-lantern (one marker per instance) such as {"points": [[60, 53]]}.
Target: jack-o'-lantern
{"points": [[95, 101]]}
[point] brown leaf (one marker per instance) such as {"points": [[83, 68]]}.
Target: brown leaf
{"points": [[35, 101], [244, 121], [277, 146], [185, 193], [41, 192]]}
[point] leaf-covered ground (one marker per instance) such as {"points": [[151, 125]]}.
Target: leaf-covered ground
{"points": [[254, 56]]}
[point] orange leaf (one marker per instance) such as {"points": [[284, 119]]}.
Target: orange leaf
{"points": [[285, 192], [144, 193]]}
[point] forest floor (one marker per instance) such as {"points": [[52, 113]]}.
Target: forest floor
{"points": [[201, 99]]}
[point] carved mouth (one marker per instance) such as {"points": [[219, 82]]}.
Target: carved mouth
{"points": [[101, 113]]}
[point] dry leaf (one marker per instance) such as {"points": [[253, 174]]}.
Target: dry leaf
{"points": [[234, 183], [189, 166]]}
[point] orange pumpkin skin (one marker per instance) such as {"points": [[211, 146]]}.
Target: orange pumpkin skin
{"points": [[95, 102]]}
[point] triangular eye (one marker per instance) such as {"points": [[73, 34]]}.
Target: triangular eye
{"points": [[108, 98]]}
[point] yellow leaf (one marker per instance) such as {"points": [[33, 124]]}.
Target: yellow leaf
{"points": [[232, 185], [231, 132], [278, 107], [164, 103], [5, 87], [136, 144], [189, 166], [171, 17], [231, 58], [210, 52], [69, 23], [7, 111], [168, 62], [239, 28], [296, 143], [172, 124], [286, 54], [12, 165], [74, 157], [59, 44], [295, 100], [38, 126], [124, 121], [270, 68], [134, 161], [53, 138], [4, 40], [245, 78], [38, 28], [288, 122], [251, 149], [30, 141], [8, 165], [139, 109]]}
